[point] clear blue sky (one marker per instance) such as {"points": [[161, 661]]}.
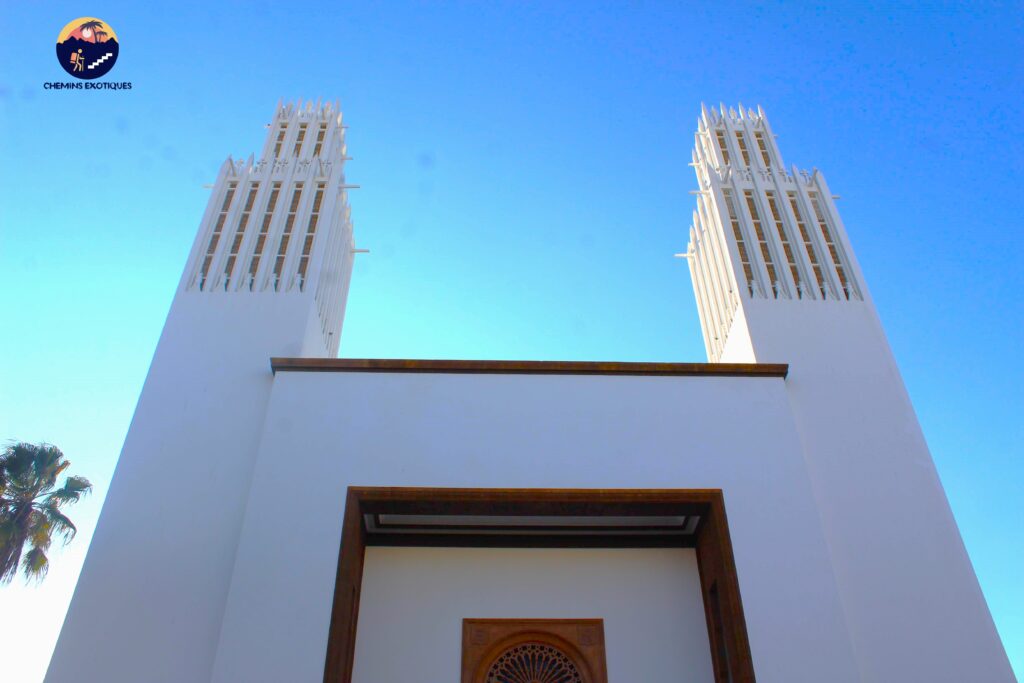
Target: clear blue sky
{"points": [[524, 188]]}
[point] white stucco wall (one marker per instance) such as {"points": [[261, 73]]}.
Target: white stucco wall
{"points": [[326, 431], [149, 601], [913, 604], [413, 602]]}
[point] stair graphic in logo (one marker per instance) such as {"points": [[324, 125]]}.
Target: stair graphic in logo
{"points": [[100, 60]]}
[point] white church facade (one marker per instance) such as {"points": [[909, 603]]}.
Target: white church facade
{"points": [[279, 514]]}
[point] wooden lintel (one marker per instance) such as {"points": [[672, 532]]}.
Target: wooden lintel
{"points": [[527, 367]]}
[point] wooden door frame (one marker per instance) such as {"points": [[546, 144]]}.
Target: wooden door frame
{"points": [[723, 608]]}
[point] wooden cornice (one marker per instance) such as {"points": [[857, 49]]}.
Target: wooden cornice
{"points": [[527, 367]]}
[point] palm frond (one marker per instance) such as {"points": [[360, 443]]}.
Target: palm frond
{"points": [[79, 484], [72, 491], [30, 468], [39, 528], [35, 564], [9, 565], [10, 552], [48, 466], [59, 523], [16, 461]]}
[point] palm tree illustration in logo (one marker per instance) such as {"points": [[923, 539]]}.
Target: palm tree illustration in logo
{"points": [[89, 27]]}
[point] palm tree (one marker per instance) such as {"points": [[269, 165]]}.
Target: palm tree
{"points": [[30, 506], [91, 25]]}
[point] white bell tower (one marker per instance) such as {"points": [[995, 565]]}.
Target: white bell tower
{"points": [[760, 234], [268, 275], [279, 229], [776, 281]]}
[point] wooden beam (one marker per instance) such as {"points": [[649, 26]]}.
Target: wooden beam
{"points": [[341, 645], [533, 540], [528, 367]]}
